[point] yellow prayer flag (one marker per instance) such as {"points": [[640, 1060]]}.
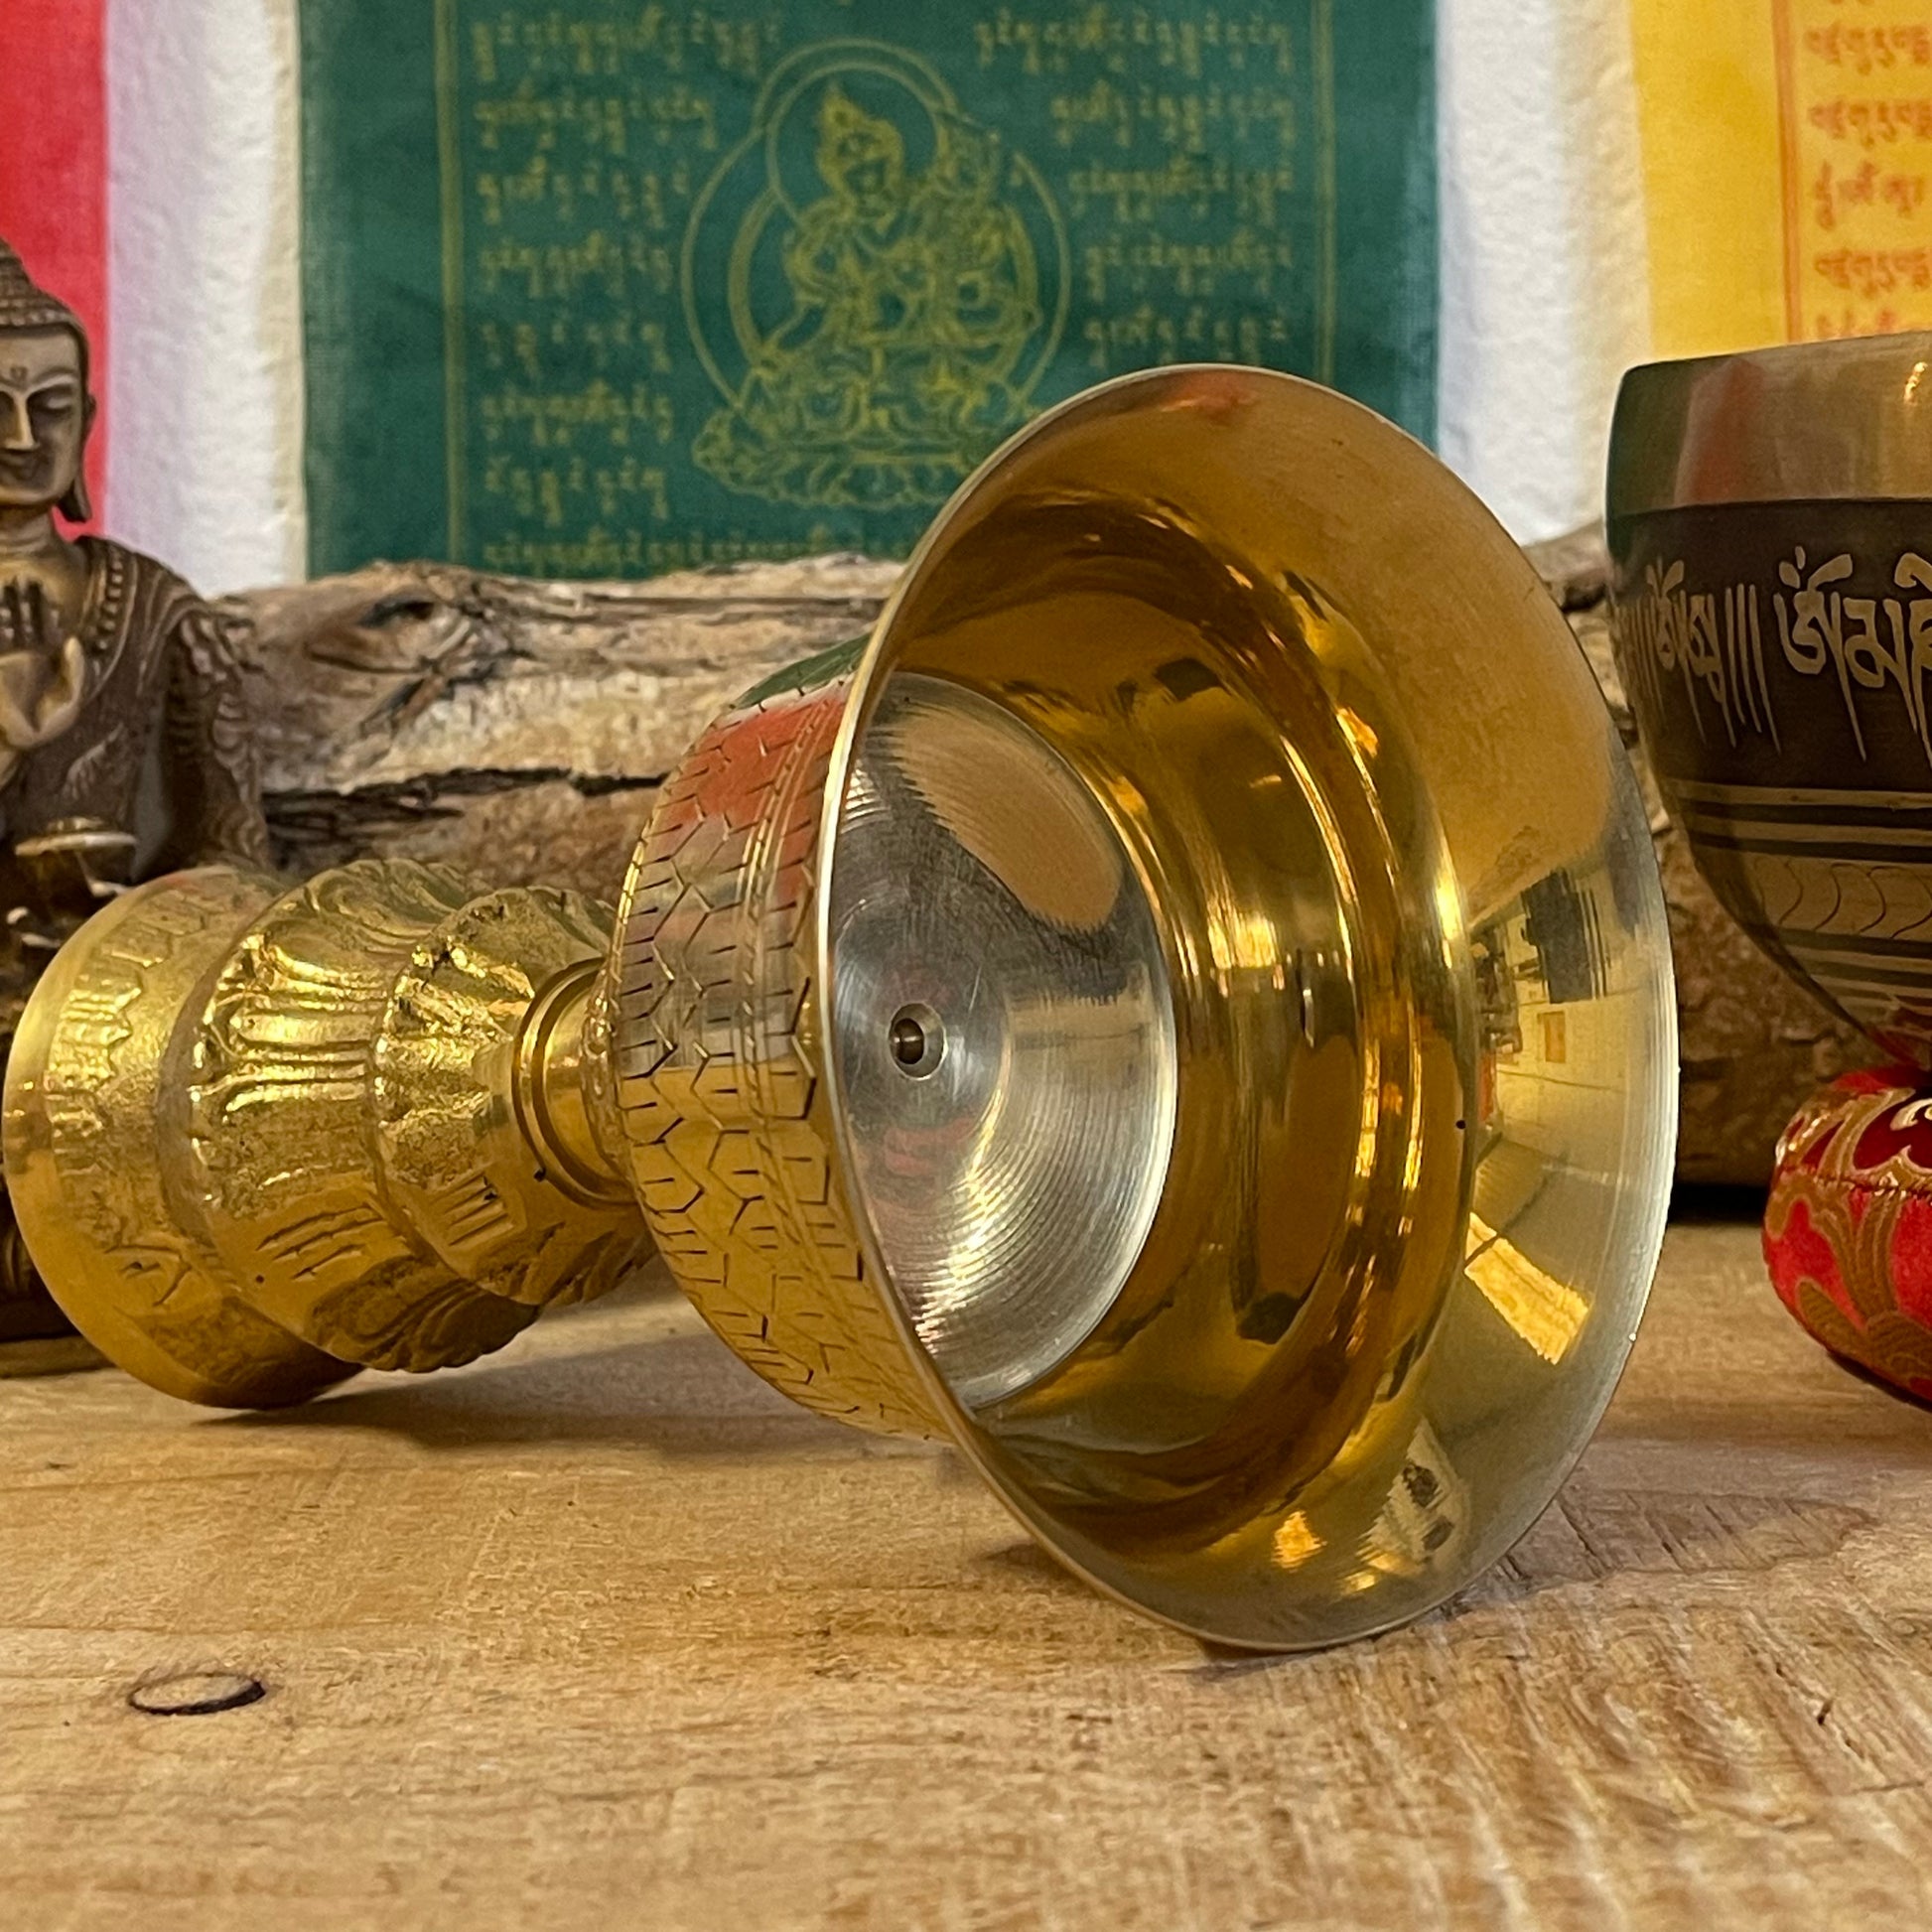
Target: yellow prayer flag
{"points": [[1788, 168]]}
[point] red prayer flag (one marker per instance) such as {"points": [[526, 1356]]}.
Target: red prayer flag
{"points": [[54, 168]]}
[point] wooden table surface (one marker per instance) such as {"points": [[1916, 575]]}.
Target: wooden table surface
{"points": [[599, 1634]]}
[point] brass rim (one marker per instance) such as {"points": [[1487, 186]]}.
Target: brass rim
{"points": [[1806, 422]]}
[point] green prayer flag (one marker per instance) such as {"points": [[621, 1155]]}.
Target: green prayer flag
{"points": [[605, 288]]}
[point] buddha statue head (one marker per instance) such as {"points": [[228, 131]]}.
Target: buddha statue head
{"points": [[46, 406]]}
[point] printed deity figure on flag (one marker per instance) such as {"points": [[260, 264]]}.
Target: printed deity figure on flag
{"points": [[910, 328]]}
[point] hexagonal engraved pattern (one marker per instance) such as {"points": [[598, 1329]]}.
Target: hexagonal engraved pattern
{"points": [[715, 1029]]}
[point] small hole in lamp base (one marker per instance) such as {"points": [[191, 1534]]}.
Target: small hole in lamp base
{"points": [[918, 1041]]}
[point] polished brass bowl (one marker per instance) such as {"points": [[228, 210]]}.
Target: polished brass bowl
{"points": [[1182, 1011], [1771, 527]]}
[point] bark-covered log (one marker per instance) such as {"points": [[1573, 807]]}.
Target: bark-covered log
{"points": [[516, 728], [519, 730]]}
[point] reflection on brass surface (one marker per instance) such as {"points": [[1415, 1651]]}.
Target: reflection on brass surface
{"points": [[1182, 1009], [1771, 532]]}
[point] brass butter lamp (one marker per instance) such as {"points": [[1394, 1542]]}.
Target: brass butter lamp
{"points": [[1182, 1011]]}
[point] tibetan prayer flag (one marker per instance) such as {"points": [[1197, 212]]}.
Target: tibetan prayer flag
{"points": [[609, 287], [1788, 168], [53, 170]]}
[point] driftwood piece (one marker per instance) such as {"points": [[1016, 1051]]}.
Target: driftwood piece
{"points": [[521, 729], [516, 728]]}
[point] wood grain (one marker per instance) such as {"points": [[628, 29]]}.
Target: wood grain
{"points": [[601, 1633]]}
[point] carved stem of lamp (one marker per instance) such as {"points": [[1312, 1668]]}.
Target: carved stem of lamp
{"points": [[260, 1137]]}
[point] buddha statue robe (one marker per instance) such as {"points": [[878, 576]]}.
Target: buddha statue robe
{"points": [[139, 717]]}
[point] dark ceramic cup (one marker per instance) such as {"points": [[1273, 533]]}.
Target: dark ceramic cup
{"points": [[1770, 530]]}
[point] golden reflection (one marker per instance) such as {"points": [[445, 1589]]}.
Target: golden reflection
{"points": [[1360, 735], [1296, 1540], [1543, 1310], [1242, 939]]}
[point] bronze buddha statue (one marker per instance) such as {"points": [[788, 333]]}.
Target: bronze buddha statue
{"points": [[124, 731]]}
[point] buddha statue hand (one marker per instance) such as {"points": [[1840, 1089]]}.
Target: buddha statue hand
{"points": [[43, 673], [30, 616]]}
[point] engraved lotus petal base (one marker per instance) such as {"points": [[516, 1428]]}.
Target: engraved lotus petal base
{"points": [[1182, 1011], [117, 1233], [260, 1138]]}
